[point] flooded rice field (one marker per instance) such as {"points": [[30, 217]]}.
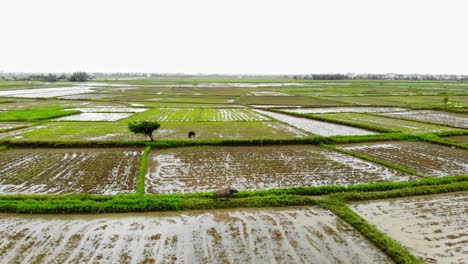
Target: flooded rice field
{"points": [[425, 158], [110, 109], [451, 119], [324, 110], [317, 127], [201, 169], [292, 235], [397, 125], [97, 171], [434, 228], [94, 117], [269, 93], [461, 139], [6, 126], [47, 92]]}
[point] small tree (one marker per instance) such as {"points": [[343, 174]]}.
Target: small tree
{"points": [[144, 127]]}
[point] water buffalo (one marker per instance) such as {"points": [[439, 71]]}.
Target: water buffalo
{"points": [[224, 193], [191, 134]]}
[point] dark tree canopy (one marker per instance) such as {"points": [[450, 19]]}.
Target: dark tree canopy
{"points": [[144, 127], [79, 77]]}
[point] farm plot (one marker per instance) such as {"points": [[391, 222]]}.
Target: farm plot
{"points": [[94, 117], [199, 114], [434, 228], [269, 93], [461, 139], [200, 169], [425, 158], [286, 100], [316, 127], [365, 100], [35, 114], [392, 124], [228, 130], [47, 92], [97, 171], [324, 110], [451, 119], [289, 235], [73, 131], [7, 126]]}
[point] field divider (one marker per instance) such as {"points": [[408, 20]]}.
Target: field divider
{"points": [[368, 158], [140, 190]]}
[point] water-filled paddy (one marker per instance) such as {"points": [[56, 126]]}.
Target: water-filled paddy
{"points": [[425, 158], [200, 169], [434, 228], [98, 171], [290, 235], [317, 127]]}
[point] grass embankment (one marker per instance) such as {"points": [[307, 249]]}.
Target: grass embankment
{"points": [[36, 114], [142, 171], [83, 203]]}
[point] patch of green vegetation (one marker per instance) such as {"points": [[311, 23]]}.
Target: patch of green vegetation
{"points": [[36, 114], [85, 203], [142, 171]]}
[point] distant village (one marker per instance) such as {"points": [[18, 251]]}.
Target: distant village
{"points": [[83, 76]]}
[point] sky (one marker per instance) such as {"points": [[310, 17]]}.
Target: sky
{"points": [[234, 37]]}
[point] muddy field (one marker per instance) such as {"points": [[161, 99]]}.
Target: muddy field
{"points": [[97, 171], [200, 169], [461, 139], [397, 125], [451, 119], [293, 235], [316, 127], [425, 158], [434, 228]]}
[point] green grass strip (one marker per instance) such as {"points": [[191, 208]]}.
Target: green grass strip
{"points": [[147, 203], [85, 203], [368, 158], [390, 247], [397, 193], [142, 171]]}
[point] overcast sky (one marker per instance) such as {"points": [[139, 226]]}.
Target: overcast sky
{"points": [[252, 36]]}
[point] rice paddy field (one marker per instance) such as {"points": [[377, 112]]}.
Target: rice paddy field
{"points": [[348, 171], [201, 169]]}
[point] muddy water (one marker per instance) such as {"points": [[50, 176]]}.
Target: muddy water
{"points": [[434, 228], [46, 92], [201, 169], [293, 235], [317, 127], [94, 117]]}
